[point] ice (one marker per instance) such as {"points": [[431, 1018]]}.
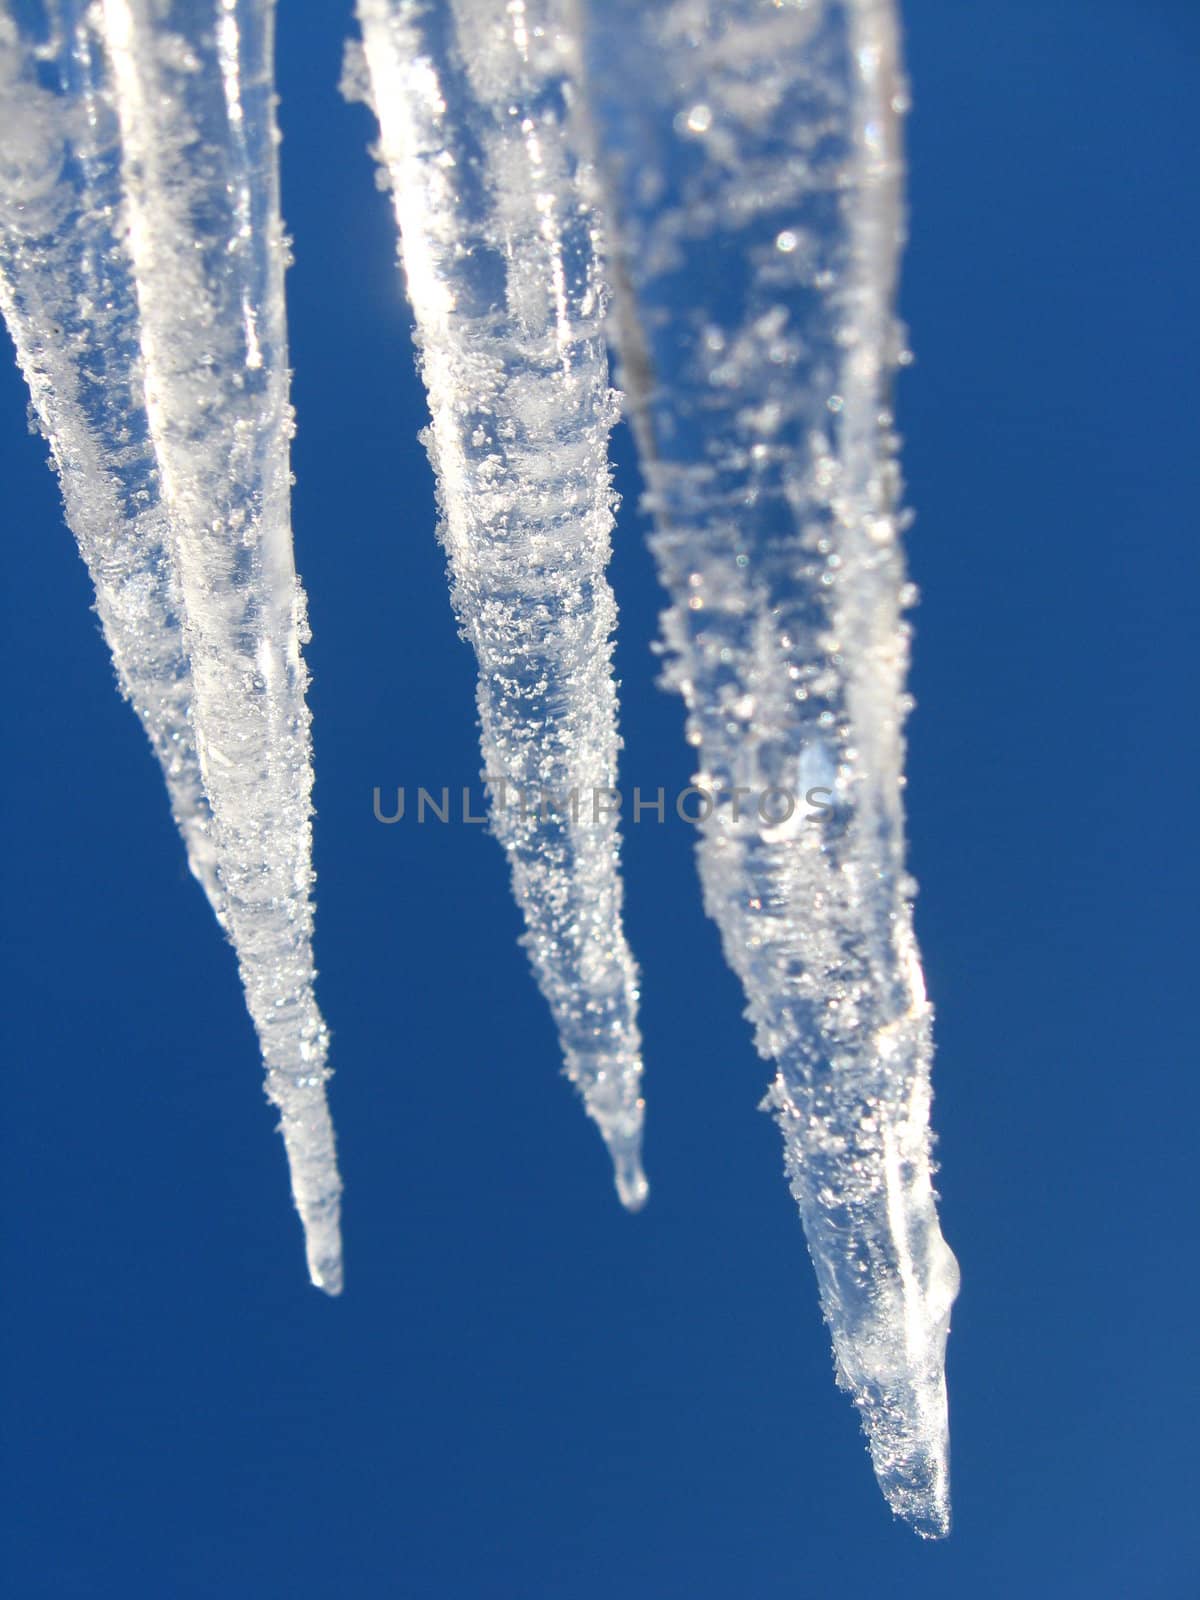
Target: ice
{"points": [[750, 166], [141, 275], [499, 256], [745, 156], [69, 302]]}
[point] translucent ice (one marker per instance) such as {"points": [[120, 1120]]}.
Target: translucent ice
{"points": [[749, 161], [748, 168], [141, 276], [500, 262]]}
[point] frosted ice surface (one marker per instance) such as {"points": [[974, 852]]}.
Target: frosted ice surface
{"points": [[749, 157], [141, 270], [500, 262], [69, 301]]}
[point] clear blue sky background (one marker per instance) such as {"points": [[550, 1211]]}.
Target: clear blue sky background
{"points": [[526, 1393]]}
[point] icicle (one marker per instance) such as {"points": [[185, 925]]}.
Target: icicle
{"points": [[498, 251], [141, 257], [750, 156]]}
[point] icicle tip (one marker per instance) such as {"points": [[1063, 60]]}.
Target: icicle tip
{"points": [[321, 1220], [325, 1268], [922, 1503], [628, 1174]]}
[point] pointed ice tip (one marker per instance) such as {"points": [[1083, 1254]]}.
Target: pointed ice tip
{"points": [[936, 1525], [927, 1522], [628, 1176], [326, 1274], [928, 1515], [631, 1183], [323, 1249], [917, 1488]]}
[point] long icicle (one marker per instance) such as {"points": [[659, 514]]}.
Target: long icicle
{"points": [[499, 255], [143, 271], [750, 159]]}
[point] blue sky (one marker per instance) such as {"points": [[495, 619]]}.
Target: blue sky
{"points": [[525, 1392]]}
